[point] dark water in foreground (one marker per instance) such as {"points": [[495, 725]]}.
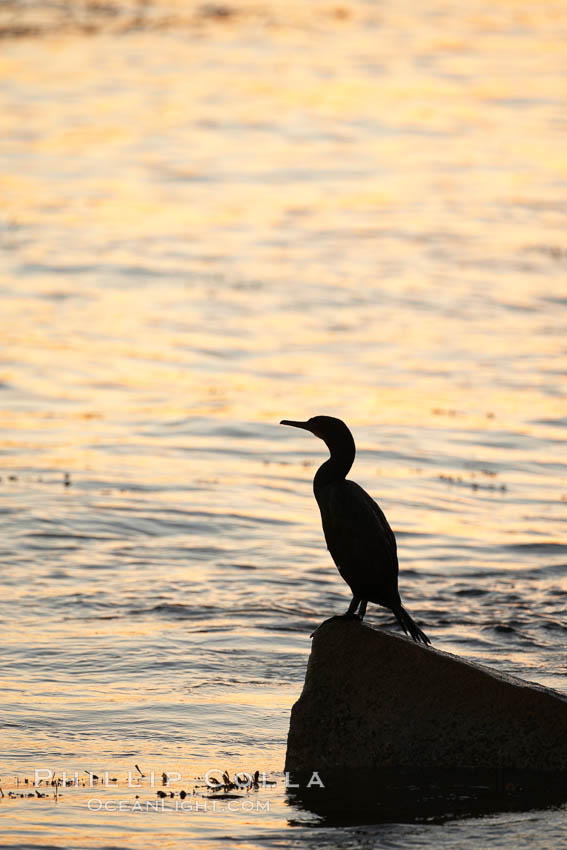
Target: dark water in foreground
{"points": [[205, 230]]}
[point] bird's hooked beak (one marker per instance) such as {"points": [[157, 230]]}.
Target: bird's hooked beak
{"points": [[304, 425]]}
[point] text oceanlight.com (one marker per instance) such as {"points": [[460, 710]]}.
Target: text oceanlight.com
{"points": [[95, 804]]}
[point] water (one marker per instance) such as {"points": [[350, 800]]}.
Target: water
{"points": [[211, 220]]}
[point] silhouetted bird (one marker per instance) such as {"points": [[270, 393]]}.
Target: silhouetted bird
{"points": [[358, 535]]}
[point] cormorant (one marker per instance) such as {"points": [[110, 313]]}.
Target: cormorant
{"points": [[357, 533]]}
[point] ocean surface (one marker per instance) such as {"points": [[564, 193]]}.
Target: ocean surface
{"points": [[213, 217]]}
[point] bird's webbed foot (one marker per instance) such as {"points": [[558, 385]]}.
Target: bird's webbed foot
{"points": [[351, 614]]}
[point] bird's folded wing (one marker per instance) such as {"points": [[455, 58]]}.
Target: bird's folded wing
{"points": [[357, 533]]}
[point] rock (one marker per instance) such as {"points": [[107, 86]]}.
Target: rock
{"points": [[373, 700]]}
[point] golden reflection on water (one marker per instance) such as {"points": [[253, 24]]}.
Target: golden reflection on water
{"points": [[305, 208]]}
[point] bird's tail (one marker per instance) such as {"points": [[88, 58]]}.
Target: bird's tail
{"points": [[409, 627]]}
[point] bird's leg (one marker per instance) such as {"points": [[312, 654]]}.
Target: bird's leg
{"points": [[356, 601], [352, 607], [348, 615]]}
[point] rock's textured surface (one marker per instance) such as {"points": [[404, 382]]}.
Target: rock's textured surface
{"points": [[375, 700]]}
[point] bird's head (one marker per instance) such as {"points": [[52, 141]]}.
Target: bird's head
{"points": [[332, 431]]}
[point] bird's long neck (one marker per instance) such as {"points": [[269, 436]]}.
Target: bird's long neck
{"points": [[338, 465]]}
